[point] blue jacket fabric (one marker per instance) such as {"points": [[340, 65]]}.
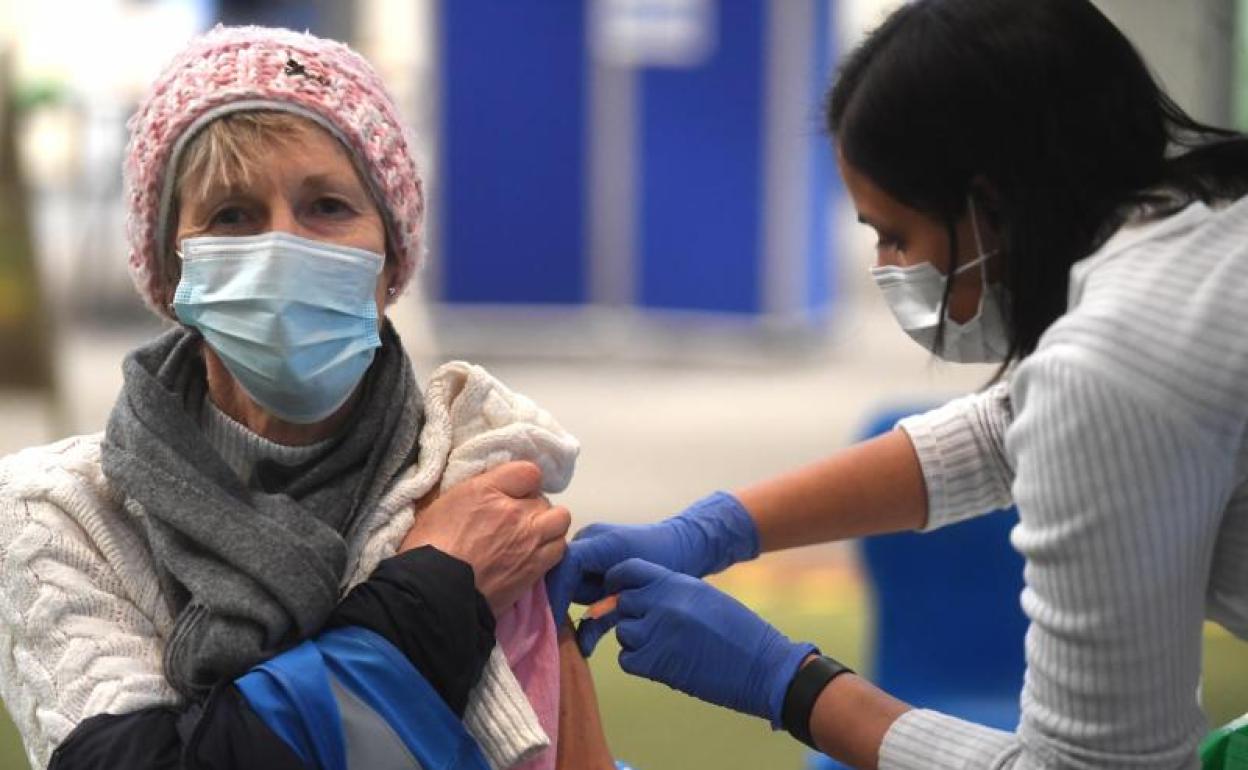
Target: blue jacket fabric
{"points": [[349, 700]]}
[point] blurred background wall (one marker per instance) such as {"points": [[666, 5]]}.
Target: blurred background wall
{"points": [[634, 218], [620, 175]]}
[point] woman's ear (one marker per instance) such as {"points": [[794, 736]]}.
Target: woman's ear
{"points": [[387, 274], [388, 269], [386, 290]]}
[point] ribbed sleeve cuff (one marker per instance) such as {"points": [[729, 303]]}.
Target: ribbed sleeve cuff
{"points": [[961, 449], [928, 740], [500, 718]]}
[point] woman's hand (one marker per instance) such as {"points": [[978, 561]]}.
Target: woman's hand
{"points": [[682, 632], [500, 525], [711, 535]]}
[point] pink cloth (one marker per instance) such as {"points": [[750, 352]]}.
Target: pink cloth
{"points": [[528, 638]]}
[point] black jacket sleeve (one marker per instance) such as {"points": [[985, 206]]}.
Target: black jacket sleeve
{"points": [[423, 601], [221, 734]]}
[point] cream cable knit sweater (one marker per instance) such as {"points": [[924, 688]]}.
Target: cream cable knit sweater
{"points": [[82, 622]]}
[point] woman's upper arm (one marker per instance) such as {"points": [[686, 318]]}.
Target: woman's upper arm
{"points": [[72, 643], [961, 451], [582, 741]]}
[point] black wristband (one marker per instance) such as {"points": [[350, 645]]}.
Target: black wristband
{"points": [[803, 691]]}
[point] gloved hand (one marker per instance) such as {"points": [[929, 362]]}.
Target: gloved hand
{"points": [[708, 536], [682, 632]]}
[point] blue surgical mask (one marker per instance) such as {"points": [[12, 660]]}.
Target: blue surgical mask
{"points": [[294, 320]]}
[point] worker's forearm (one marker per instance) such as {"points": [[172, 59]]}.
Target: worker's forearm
{"points": [[869, 488], [850, 719]]}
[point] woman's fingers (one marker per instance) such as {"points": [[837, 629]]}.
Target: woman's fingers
{"points": [[546, 557], [517, 479], [633, 573], [593, 530], [632, 634], [552, 523], [591, 630], [622, 584]]}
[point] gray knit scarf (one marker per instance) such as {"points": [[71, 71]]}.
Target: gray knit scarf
{"points": [[249, 566]]}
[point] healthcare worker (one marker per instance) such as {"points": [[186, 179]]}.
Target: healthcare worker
{"points": [[1041, 203]]}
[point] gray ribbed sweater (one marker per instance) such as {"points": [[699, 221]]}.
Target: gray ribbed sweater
{"points": [[1122, 441], [242, 449]]}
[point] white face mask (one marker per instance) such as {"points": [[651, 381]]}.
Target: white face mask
{"points": [[914, 295]]}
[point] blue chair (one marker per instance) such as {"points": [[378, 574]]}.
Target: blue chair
{"points": [[948, 628]]}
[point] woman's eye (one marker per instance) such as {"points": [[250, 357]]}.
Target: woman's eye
{"points": [[331, 207], [888, 244], [229, 216]]}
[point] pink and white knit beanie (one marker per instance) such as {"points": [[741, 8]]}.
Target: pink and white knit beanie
{"points": [[230, 69]]}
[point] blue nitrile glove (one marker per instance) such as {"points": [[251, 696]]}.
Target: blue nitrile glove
{"points": [[683, 632], [711, 535]]}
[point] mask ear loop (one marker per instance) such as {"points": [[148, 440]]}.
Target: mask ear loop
{"points": [[983, 256], [981, 260], [177, 252]]}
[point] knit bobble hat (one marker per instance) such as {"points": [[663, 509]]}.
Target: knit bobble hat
{"points": [[230, 69]]}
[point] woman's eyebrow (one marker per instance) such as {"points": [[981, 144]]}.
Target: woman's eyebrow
{"points": [[218, 190], [328, 179], [213, 197]]}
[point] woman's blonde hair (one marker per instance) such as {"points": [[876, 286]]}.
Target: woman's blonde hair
{"points": [[223, 153]]}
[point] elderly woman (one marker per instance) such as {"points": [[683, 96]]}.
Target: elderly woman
{"points": [[279, 553]]}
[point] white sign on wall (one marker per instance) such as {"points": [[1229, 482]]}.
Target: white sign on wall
{"points": [[653, 33]]}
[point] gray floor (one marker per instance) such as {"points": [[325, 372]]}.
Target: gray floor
{"points": [[665, 410]]}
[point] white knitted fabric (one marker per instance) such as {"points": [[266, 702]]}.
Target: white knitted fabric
{"points": [[1122, 440], [82, 620]]}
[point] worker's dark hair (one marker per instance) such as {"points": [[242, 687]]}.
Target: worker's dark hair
{"points": [[1045, 112]]}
